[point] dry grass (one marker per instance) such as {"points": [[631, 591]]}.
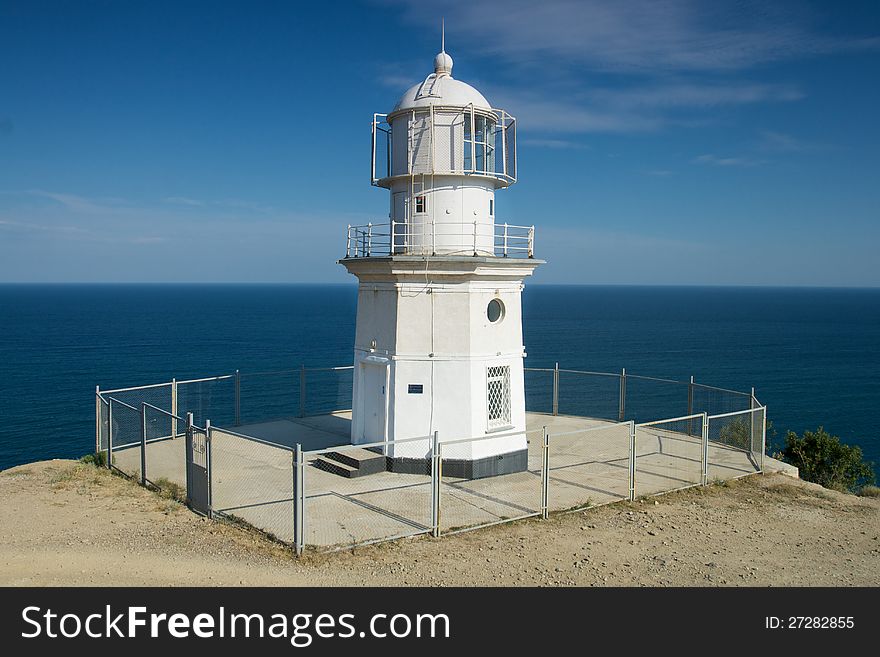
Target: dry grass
{"points": [[870, 491]]}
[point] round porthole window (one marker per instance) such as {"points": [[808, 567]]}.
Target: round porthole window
{"points": [[495, 310]]}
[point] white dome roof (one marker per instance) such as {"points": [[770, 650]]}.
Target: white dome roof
{"points": [[440, 88]]}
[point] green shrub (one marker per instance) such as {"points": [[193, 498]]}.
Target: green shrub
{"points": [[737, 433], [98, 459], [823, 459]]}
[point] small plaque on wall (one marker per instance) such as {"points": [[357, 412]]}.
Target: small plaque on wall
{"points": [[415, 388]]}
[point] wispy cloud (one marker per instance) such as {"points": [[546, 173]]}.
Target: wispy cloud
{"points": [[715, 160], [693, 95], [780, 142], [217, 203], [75, 202], [553, 143], [182, 200], [545, 114], [35, 233], [634, 36], [629, 65], [635, 108], [77, 233]]}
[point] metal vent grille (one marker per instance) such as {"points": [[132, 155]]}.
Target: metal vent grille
{"points": [[498, 396]]}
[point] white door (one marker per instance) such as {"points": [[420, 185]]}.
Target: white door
{"points": [[374, 403]]}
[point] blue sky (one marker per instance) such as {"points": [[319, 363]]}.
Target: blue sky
{"points": [[661, 142]]}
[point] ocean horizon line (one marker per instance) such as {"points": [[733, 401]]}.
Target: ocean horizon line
{"points": [[739, 286]]}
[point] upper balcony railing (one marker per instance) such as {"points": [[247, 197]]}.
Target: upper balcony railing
{"points": [[434, 238]]}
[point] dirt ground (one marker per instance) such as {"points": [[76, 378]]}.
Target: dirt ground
{"points": [[63, 523]]}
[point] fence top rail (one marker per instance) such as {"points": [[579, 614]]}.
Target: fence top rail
{"points": [[269, 443], [384, 443], [490, 436], [636, 376], [244, 375], [208, 378], [655, 378], [113, 399], [151, 385], [731, 414], [328, 369], [671, 419], [609, 425], [734, 392], [617, 374], [162, 410]]}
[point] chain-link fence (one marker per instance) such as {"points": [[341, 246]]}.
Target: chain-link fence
{"points": [[165, 450], [124, 438], [253, 481], [668, 456], [736, 444], [717, 401], [326, 390], [354, 495], [586, 454], [539, 389], [472, 494], [588, 394], [213, 398], [649, 398], [102, 422], [265, 395], [589, 467]]}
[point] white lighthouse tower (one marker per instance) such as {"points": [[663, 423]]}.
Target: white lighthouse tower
{"points": [[438, 344]]}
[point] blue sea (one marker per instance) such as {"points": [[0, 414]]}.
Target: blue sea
{"points": [[813, 355]]}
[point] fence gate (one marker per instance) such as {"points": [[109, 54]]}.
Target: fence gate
{"points": [[198, 486]]}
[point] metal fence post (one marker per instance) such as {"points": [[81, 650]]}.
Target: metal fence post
{"points": [[208, 468], [237, 398], [174, 413], [763, 438], [110, 433], [302, 390], [556, 389], [143, 444], [705, 460], [298, 501], [97, 419], [545, 474], [632, 460], [691, 405], [621, 404], [435, 484]]}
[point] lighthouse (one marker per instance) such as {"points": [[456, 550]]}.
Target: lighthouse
{"points": [[438, 344]]}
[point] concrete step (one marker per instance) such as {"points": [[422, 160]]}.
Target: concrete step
{"points": [[336, 468], [352, 463], [363, 460]]}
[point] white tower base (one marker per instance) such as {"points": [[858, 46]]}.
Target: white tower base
{"points": [[429, 357]]}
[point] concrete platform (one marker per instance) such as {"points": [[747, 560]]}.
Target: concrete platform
{"points": [[588, 466]]}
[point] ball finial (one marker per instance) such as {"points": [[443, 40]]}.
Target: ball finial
{"points": [[443, 64]]}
